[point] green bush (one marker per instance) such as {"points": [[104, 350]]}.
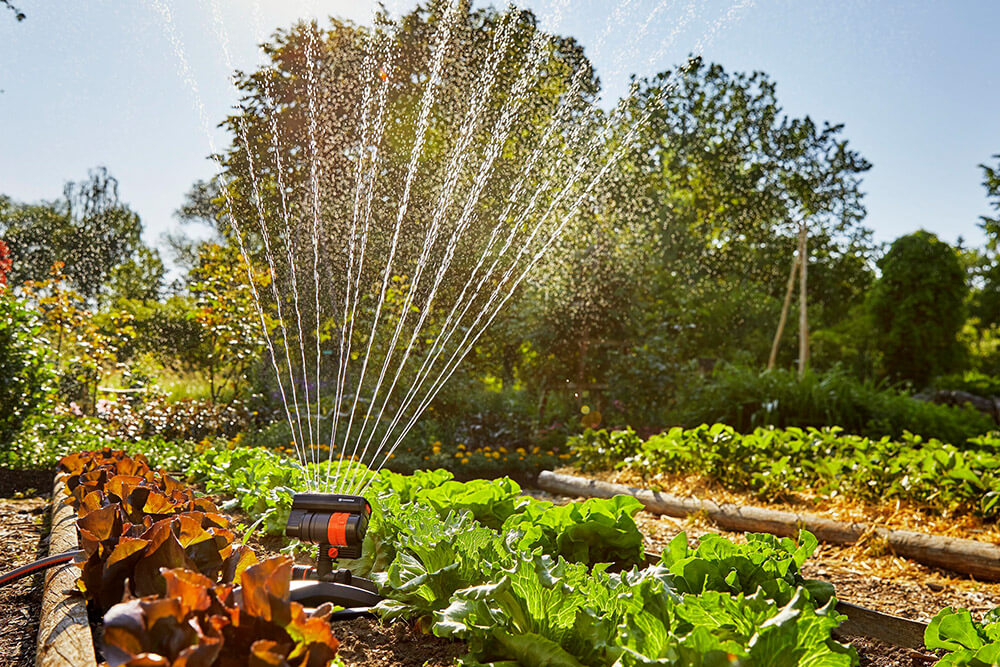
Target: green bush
{"points": [[972, 382], [746, 398], [25, 375], [51, 434]]}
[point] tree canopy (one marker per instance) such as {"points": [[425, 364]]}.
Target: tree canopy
{"points": [[90, 230], [918, 305]]}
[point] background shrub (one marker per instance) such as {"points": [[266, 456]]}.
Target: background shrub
{"points": [[25, 376], [747, 398]]}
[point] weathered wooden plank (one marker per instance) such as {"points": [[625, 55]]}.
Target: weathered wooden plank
{"points": [[64, 637], [895, 630], [979, 559]]}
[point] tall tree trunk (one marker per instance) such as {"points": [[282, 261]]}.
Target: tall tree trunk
{"points": [[772, 360], [803, 311]]}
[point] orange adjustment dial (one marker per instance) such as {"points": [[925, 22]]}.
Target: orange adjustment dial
{"points": [[336, 529]]}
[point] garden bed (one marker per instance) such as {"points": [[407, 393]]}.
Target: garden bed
{"points": [[865, 573], [856, 573], [23, 527]]}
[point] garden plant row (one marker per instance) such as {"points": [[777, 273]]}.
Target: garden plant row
{"points": [[524, 582], [519, 580], [770, 462], [161, 563]]}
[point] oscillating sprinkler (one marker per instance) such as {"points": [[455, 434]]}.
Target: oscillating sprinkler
{"points": [[337, 523]]}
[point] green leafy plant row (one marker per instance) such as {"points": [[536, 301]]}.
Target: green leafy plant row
{"points": [[525, 582], [772, 461], [262, 482], [718, 604]]}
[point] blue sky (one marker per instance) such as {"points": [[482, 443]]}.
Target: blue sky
{"points": [[915, 83]]}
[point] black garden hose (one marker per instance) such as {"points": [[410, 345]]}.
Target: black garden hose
{"points": [[38, 566]]}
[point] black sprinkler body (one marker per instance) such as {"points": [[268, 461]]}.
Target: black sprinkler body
{"points": [[337, 523]]}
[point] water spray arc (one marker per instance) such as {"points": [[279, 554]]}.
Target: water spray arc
{"points": [[462, 260]]}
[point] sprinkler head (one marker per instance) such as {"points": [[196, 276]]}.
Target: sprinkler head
{"points": [[336, 522]]}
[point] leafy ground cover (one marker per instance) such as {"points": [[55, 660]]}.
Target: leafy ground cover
{"points": [[523, 581], [774, 462], [505, 574], [968, 642], [748, 398]]}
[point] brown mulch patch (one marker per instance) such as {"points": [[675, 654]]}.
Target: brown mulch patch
{"points": [[879, 654], [894, 514], [23, 527]]}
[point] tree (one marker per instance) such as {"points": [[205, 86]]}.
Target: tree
{"points": [[918, 307], [704, 211], [232, 335], [203, 207], [83, 351], [18, 14], [139, 278], [90, 230], [414, 142], [986, 270]]}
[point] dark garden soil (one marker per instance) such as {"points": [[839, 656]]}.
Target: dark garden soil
{"points": [[24, 519], [368, 643]]}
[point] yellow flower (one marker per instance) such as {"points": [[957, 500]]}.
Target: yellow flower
{"points": [[564, 456], [503, 450], [461, 446], [520, 450], [464, 461]]}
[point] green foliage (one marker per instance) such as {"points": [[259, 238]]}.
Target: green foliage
{"points": [[972, 382], [747, 398], [90, 230], [515, 599], [601, 449], [966, 641], [596, 530], [84, 349], [685, 254], [765, 563], [991, 182], [139, 278], [24, 369], [771, 462], [52, 434], [151, 415], [259, 481], [918, 305], [541, 611], [233, 328]]}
